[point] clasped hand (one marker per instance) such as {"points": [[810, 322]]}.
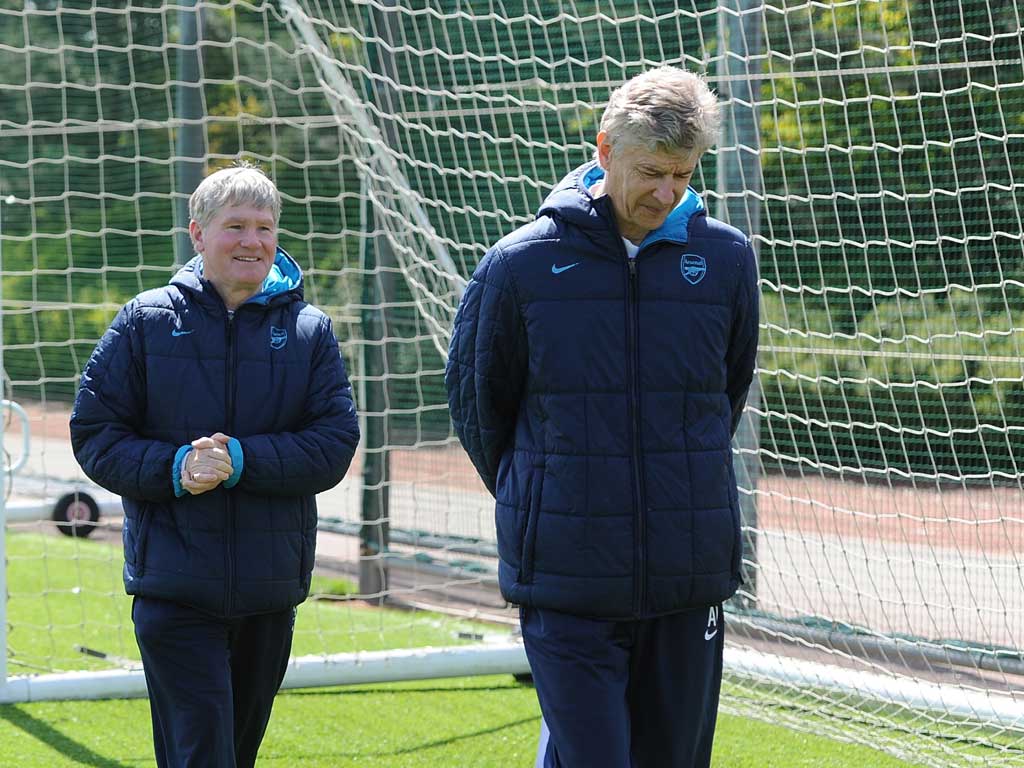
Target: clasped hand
{"points": [[207, 465]]}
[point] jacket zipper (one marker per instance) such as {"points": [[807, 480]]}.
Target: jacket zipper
{"points": [[229, 501], [633, 355]]}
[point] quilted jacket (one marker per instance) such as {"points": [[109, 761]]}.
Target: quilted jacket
{"points": [[175, 365], [597, 395]]}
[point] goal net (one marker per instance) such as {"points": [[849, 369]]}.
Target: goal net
{"points": [[872, 150]]}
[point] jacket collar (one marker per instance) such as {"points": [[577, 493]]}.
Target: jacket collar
{"points": [[572, 201], [285, 277]]}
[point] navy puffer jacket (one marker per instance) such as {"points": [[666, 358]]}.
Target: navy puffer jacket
{"points": [[597, 399], [175, 366]]}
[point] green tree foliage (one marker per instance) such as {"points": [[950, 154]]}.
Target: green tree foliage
{"points": [[87, 142], [89, 216], [923, 385], [890, 135]]}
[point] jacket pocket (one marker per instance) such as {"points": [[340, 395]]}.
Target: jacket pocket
{"points": [[737, 551], [532, 519], [307, 539], [142, 539]]}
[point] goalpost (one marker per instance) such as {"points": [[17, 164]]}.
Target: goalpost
{"points": [[872, 150]]}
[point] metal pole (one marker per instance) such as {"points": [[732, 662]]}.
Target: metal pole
{"points": [[740, 45], [190, 150], [378, 294], [373, 532], [3, 488]]}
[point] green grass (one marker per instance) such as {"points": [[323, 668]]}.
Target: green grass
{"points": [[74, 587], [323, 585], [65, 593], [489, 722]]}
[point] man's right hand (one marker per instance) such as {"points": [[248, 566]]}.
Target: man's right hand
{"points": [[207, 465]]}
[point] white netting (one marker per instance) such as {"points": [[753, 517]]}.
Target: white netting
{"points": [[872, 150]]}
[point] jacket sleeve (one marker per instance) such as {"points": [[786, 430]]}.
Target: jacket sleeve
{"points": [[487, 364], [316, 456], [742, 355], [108, 411]]}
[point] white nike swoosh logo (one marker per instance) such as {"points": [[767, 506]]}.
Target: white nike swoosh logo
{"points": [[708, 636]]}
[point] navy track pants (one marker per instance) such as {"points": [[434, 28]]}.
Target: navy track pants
{"points": [[211, 681], [627, 694]]}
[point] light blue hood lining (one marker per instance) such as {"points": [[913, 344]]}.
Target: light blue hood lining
{"points": [[284, 275], [677, 224]]}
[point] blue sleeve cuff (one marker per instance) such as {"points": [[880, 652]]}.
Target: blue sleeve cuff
{"points": [[179, 459], [237, 462]]}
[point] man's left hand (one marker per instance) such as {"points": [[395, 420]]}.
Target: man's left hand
{"points": [[207, 465]]}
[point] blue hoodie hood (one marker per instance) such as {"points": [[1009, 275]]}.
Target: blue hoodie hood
{"points": [[572, 201], [284, 277]]}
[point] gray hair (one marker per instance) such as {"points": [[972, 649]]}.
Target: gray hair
{"points": [[242, 184], [663, 109]]}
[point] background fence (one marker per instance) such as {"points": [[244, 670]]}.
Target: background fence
{"points": [[873, 152]]}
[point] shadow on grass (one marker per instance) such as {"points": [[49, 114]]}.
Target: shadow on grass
{"points": [[461, 737], [47, 734], [416, 748]]}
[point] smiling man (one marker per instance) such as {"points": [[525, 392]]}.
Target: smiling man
{"points": [[598, 368], [217, 407]]}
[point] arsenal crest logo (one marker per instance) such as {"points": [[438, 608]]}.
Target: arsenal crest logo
{"points": [[278, 337], [693, 268]]}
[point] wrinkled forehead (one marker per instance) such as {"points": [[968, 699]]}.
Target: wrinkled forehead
{"points": [[244, 213], [669, 161]]}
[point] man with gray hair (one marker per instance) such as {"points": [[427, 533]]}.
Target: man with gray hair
{"points": [[598, 367], [217, 406]]}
